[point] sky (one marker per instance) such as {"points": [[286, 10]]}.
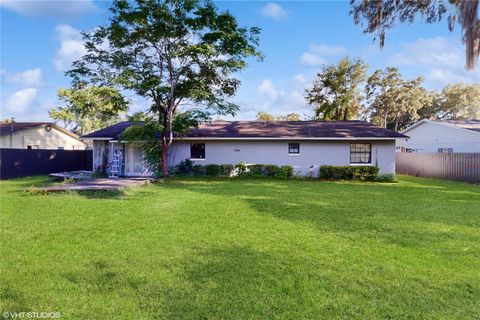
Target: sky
{"points": [[40, 39]]}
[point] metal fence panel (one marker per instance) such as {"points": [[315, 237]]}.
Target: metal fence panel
{"points": [[26, 162], [451, 166]]}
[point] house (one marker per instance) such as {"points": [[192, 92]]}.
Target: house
{"points": [[38, 135], [305, 145], [442, 136]]}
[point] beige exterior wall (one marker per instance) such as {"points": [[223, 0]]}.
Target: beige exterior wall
{"points": [[41, 139]]}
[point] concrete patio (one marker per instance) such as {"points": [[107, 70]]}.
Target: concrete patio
{"points": [[102, 184]]}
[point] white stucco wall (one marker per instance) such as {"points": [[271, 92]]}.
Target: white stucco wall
{"points": [[42, 138], [312, 153], [428, 137]]}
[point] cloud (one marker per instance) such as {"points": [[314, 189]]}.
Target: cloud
{"points": [[27, 78], [318, 54], [21, 101], [439, 60], [275, 11], [50, 8], [308, 59], [71, 47], [267, 87]]}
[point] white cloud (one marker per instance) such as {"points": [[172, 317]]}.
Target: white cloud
{"points": [[318, 54], [312, 60], [325, 50], [21, 101], [275, 11], [439, 60], [50, 8], [71, 47], [267, 87], [27, 78]]}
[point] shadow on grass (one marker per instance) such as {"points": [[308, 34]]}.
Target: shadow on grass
{"points": [[12, 300], [397, 213]]}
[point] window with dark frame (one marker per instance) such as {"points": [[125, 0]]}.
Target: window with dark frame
{"points": [[197, 151], [294, 148], [360, 153]]}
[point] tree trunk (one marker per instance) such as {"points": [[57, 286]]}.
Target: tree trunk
{"points": [[167, 137]]}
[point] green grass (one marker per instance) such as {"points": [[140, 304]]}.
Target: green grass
{"points": [[244, 249]]}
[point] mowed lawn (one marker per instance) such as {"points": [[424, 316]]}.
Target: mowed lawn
{"points": [[244, 249]]}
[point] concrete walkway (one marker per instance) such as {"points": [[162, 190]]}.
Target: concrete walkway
{"points": [[98, 184]]}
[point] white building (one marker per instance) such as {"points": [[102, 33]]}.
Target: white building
{"points": [[442, 136], [38, 135], [305, 145]]}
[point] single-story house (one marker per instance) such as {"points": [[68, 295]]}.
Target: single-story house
{"points": [[38, 135], [305, 145], [442, 136]]}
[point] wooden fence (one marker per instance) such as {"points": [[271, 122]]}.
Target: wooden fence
{"points": [[451, 166], [26, 162]]}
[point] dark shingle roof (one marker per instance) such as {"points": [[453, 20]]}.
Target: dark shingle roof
{"points": [[9, 128], [274, 129], [473, 125]]}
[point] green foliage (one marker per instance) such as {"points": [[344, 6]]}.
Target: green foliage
{"points": [[240, 170], [335, 93], [175, 53], [264, 116], [393, 102], [89, 108], [198, 170], [214, 170], [379, 16], [386, 177], [183, 168], [256, 169], [361, 173], [458, 101]]}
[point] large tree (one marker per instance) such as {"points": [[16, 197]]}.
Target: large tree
{"points": [[393, 102], [176, 53], [264, 116], [89, 108], [381, 15], [459, 101], [335, 93]]}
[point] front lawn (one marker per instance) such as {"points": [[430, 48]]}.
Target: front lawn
{"points": [[244, 249]]}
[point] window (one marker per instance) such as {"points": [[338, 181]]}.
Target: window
{"points": [[197, 151], [293, 148], [360, 153], [445, 150], [61, 148]]}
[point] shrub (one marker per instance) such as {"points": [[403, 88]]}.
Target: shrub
{"points": [[183, 168], [198, 170], [214, 170], [361, 173], [242, 169], [256, 170], [272, 170], [386, 177], [287, 172], [228, 169]]}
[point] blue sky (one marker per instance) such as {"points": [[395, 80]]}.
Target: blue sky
{"points": [[39, 40]]}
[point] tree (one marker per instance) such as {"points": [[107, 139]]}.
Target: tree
{"points": [[176, 53], [89, 108], [391, 101], [382, 15], [335, 93], [459, 101], [264, 116]]}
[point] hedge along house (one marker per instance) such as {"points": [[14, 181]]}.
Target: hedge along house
{"points": [[305, 145]]}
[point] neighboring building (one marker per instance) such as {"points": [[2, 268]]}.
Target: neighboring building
{"points": [[38, 135], [305, 145], [442, 136]]}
